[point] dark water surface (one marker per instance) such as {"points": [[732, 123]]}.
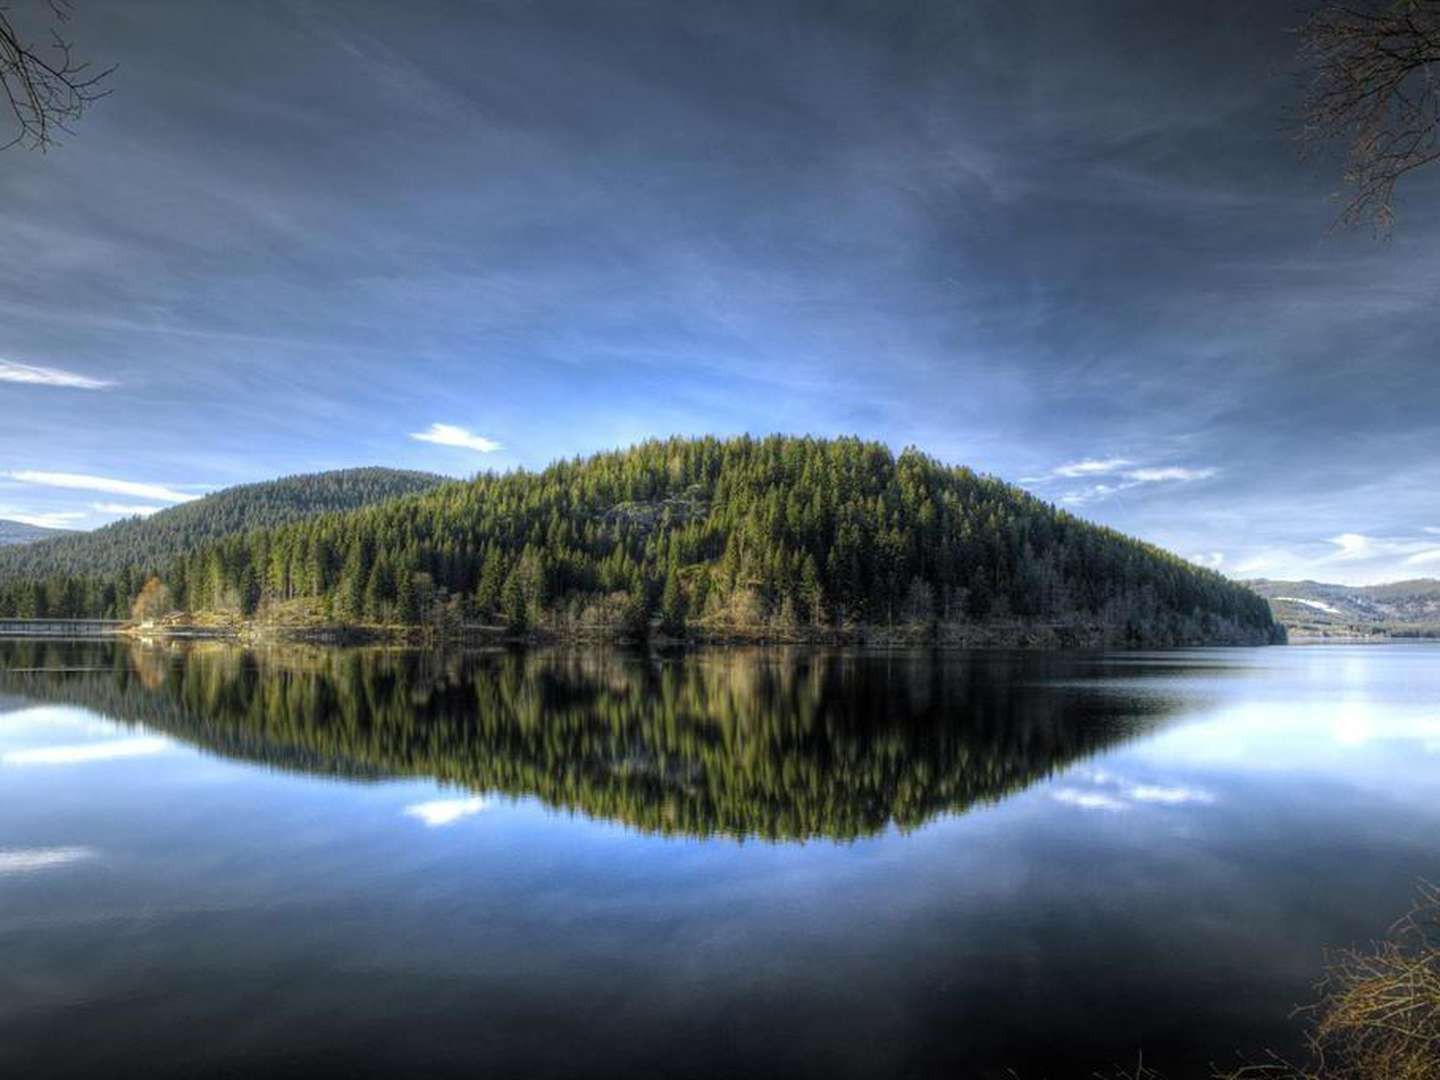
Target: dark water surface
{"points": [[359, 863]]}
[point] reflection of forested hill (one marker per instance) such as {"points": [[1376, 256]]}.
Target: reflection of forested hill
{"points": [[782, 745]]}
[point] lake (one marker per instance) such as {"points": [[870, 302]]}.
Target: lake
{"points": [[310, 862]]}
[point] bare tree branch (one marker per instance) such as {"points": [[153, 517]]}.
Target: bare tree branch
{"points": [[46, 88], [1375, 91]]}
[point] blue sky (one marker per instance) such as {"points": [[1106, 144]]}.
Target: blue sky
{"points": [[1071, 245]]}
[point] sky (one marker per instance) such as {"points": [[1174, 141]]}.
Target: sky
{"points": [[1071, 245]]}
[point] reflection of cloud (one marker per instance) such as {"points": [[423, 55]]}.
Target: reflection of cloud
{"points": [[445, 811], [1354, 726], [1114, 793], [28, 860], [1169, 796], [1087, 800], [87, 752]]}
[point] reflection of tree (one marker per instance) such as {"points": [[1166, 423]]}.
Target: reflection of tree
{"points": [[780, 745]]}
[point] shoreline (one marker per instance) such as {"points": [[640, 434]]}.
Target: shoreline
{"points": [[1037, 637]]}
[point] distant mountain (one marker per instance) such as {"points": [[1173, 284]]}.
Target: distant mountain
{"points": [[152, 543], [1316, 609], [17, 532], [782, 537]]}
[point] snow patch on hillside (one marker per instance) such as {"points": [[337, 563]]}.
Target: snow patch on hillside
{"points": [[1316, 604]]}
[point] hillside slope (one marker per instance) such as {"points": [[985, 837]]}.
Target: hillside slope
{"points": [[1317, 609], [152, 543], [17, 532], [744, 537]]}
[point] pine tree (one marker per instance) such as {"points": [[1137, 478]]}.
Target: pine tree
{"points": [[672, 604]]}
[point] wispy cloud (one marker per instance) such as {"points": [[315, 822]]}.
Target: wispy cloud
{"points": [[128, 509], [445, 811], [1172, 472], [1212, 559], [28, 860], [47, 376], [1357, 546], [1090, 467], [454, 435], [1074, 469], [1349, 558], [85, 753], [84, 482], [57, 519], [1121, 475]]}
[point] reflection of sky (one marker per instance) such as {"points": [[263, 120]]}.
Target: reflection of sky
{"points": [[1196, 873], [29, 860]]}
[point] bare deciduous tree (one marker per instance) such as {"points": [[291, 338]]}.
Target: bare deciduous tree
{"points": [[1374, 92], [45, 86]]}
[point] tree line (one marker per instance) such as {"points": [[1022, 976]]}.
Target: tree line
{"points": [[685, 536]]}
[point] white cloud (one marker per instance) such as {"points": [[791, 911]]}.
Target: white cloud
{"points": [[1090, 467], [1354, 546], [1073, 469], [28, 860], [53, 520], [1172, 472], [1358, 546], [84, 482], [1212, 559], [1433, 530], [85, 753], [445, 811], [44, 376], [1120, 477], [453, 435], [1349, 558], [128, 509]]}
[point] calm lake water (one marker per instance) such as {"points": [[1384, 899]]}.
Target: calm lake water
{"points": [[311, 862]]}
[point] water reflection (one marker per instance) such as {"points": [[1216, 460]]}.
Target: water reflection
{"points": [[29, 860], [773, 744], [251, 902]]}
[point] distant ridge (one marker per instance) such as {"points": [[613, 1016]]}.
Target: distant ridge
{"points": [[17, 532], [1319, 610], [781, 538], [153, 542]]}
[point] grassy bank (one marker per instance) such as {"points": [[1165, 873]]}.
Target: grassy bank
{"points": [[1377, 1016]]}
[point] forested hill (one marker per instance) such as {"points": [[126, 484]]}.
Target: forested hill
{"points": [[1316, 609], [154, 542], [744, 537], [18, 532]]}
